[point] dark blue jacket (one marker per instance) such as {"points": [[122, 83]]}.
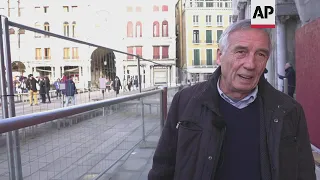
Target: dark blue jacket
{"points": [[70, 88]]}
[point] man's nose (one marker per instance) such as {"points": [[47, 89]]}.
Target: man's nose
{"points": [[250, 62]]}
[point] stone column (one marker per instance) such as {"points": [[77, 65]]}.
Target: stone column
{"points": [[57, 72], [52, 74], [242, 10], [281, 48]]}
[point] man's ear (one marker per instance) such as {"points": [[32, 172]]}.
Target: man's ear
{"points": [[219, 54]]}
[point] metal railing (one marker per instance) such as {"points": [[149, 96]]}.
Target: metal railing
{"points": [[102, 132]]}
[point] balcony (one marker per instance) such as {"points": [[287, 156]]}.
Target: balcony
{"points": [[47, 57], [197, 41], [209, 41], [156, 56], [208, 23], [66, 57], [195, 23], [219, 24], [38, 58]]}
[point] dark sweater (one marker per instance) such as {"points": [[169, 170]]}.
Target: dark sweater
{"points": [[241, 149]]}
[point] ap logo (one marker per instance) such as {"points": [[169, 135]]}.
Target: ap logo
{"points": [[263, 14]]}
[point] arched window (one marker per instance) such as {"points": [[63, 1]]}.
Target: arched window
{"points": [[129, 29], [38, 26], [164, 8], [12, 31], [22, 31], [74, 24], [165, 28], [66, 29], [155, 8], [46, 26], [156, 29], [138, 29]]}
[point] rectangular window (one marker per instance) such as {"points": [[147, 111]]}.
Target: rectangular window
{"points": [[156, 52], [130, 51], [138, 9], [195, 20], [46, 9], [208, 36], [129, 9], [75, 53], [208, 20], [164, 8], [165, 52], [74, 8], [47, 53], [139, 51], [37, 9], [199, 4], [66, 53], [155, 8], [219, 20], [196, 57], [228, 4], [65, 8], [209, 56], [209, 3], [196, 36], [38, 54], [230, 19], [219, 32]]}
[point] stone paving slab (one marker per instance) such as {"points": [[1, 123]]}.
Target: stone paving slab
{"points": [[81, 151], [25, 108]]}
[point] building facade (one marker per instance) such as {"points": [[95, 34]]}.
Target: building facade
{"points": [[149, 33], [199, 27], [42, 55]]}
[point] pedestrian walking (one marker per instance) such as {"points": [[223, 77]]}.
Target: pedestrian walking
{"points": [[70, 91], [32, 88]]}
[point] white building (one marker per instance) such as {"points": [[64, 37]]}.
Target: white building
{"points": [[150, 33], [48, 56]]}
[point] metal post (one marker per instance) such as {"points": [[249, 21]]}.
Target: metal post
{"points": [[163, 106], [285, 85], [8, 105], [139, 74], [170, 75], [142, 118]]}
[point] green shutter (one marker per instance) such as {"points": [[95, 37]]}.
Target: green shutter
{"points": [[196, 57], [208, 36], [209, 56], [219, 32]]}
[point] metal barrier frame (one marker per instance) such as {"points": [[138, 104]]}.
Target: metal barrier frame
{"points": [[15, 123], [11, 124]]}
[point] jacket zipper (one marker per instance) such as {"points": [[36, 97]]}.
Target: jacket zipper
{"points": [[178, 124]]}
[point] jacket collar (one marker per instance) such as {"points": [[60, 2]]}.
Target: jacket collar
{"points": [[272, 99]]}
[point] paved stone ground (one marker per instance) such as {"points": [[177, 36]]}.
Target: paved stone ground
{"points": [[23, 108], [81, 151]]}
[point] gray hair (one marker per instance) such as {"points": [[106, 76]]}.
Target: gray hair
{"points": [[239, 25]]}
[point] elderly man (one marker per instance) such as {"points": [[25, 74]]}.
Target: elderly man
{"points": [[235, 126]]}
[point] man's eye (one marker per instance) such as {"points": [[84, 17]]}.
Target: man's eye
{"points": [[261, 54], [240, 52]]}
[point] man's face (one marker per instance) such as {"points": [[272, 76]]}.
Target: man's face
{"points": [[243, 61]]}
